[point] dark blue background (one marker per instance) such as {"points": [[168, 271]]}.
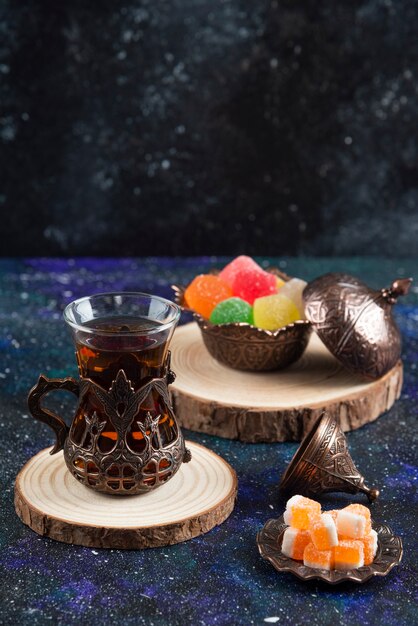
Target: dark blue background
{"points": [[208, 127]]}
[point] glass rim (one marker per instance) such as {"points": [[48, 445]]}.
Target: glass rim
{"points": [[175, 314]]}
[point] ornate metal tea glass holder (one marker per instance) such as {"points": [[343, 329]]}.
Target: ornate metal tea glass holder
{"points": [[118, 443]]}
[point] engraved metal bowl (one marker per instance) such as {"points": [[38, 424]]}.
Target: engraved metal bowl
{"points": [[389, 553], [245, 347]]}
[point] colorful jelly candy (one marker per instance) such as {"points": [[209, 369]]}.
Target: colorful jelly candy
{"points": [[323, 532], [205, 292], [273, 312], [349, 554], [354, 521], [250, 284], [241, 263], [294, 542], [299, 511], [369, 546], [318, 559], [293, 290], [279, 282], [232, 310]]}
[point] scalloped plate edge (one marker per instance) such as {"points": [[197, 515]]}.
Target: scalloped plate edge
{"points": [[360, 575]]}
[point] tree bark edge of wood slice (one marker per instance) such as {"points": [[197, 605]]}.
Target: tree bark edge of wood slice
{"points": [[101, 536], [253, 424]]}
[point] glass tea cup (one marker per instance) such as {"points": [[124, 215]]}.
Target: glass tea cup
{"points": [[124, 438]]}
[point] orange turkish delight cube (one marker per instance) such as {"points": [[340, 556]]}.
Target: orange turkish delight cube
{"points": [[318, 559], [323, 532], [370, 547], [299, 511], [360, 509], [349, 554], [354, 521], [294, 542], [333, 513]]}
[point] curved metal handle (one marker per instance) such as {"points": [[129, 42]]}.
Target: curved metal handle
{"points": [[44, 386]]}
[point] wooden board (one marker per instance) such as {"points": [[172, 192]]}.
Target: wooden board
{"points": [[271, 406], [51, 502]]}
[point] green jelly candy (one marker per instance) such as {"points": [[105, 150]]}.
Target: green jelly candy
{"points": [[232, 310]]}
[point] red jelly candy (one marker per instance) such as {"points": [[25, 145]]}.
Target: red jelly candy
{"points": [[250, 284], [240, 263]]}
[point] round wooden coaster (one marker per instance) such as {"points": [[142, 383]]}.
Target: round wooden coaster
{"points": [[271, 406], [51, 502]]}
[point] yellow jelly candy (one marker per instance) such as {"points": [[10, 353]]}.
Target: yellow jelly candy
{"points": [[275, 311]]}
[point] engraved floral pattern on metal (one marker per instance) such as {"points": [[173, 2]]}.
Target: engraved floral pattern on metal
{"points": [[120, 470], [356, 322], [123, 470], [245, 347], [389, 553], [323, 464]]}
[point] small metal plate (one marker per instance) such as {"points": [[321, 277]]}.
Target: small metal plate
{"points": [[389, 553]]}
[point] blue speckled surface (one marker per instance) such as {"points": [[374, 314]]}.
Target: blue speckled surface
{"points": [[218, 578]]}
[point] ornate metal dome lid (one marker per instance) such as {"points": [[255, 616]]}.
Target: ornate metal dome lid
{"points": [[356, 322]]}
